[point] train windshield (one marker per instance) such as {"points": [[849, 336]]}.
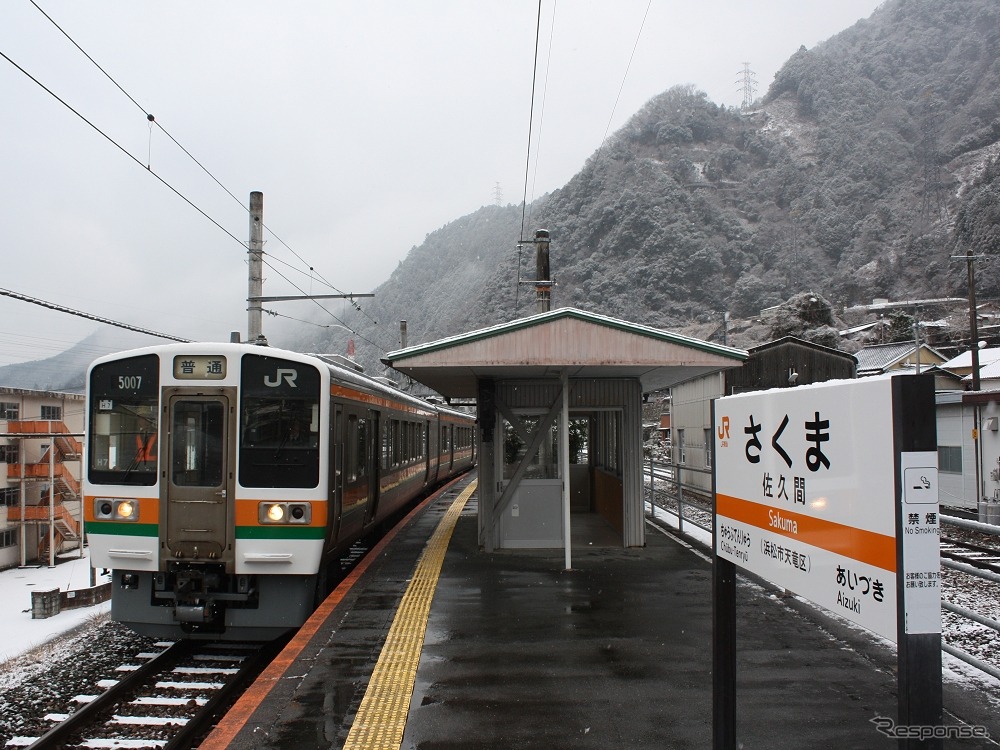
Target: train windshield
{"points": [[279, 423], [123, 403]]}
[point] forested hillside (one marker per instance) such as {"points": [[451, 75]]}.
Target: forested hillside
{"points": [[871, 160]]}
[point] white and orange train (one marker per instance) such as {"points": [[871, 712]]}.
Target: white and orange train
{"points": [[223, 481]]}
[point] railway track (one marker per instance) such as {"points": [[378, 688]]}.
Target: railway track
{"points": [[978, 555], [168, 701], [167, 696]]}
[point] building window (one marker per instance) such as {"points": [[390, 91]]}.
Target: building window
{"points": [[8, 538], [950, 459], [708, 448], [52, 413], [9, 410], [9, 454], [10, 497], [681, 453]]}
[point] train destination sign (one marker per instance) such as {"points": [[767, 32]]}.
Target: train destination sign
{"points": [[806, 497]]}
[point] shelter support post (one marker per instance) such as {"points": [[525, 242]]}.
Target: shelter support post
{"points": [[564, 469]]}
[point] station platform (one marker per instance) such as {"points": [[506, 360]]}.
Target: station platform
{"points": [[435, 645]]}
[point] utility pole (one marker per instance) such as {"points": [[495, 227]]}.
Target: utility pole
{"points": [[974, 348], [543, 281], [973, 318], [255, 285], [977, 445], [255, 333]]}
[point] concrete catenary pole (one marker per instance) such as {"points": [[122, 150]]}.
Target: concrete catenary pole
{"points": [[255, 334]]}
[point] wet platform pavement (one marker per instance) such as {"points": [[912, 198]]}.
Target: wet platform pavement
{"points": [[615, 653]]}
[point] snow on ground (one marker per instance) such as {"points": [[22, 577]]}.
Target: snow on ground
{"points": [[20, 633]]}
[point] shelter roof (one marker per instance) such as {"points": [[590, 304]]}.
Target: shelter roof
{"points": [[584, 344]]}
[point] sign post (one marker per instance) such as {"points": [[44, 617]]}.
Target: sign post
{"points": [[831, 491]]}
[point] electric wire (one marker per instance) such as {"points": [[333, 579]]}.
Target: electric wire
{"points": [[622, 87], [89, 316], [161, 180], [323, 325], [152, 120], [121, 148], [317, 303], [541, 114], [527, 159]]}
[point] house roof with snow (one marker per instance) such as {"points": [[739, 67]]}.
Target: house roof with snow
{"points": [[880, 358], [963, 362]]}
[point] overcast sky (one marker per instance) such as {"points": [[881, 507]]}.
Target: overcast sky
{"points": [[366, 125]]}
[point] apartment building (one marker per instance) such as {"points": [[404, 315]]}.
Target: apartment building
{"points": [[40, 462]]}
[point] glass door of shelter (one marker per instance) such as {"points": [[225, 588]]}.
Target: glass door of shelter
{"points": [[530, 485]]}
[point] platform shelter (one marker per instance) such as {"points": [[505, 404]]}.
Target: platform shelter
{"points": [[558, 395]]}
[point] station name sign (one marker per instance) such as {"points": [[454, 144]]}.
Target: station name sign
{"points": [[810, 491]]}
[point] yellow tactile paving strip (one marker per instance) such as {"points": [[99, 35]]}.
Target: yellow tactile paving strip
{"points": [[381, 718]]}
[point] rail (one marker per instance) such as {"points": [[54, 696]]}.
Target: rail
{"points": [[666, 490], [972, 570], [695, 508]]}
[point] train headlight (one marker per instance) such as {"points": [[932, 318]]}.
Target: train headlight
{"points": [[116, 509], [286, 513], [127, 510]]}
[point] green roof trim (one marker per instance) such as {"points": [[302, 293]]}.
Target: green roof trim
{"points": [[521, 324]]}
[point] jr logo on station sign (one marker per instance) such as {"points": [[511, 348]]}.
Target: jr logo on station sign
{"points": [[805, 494]]}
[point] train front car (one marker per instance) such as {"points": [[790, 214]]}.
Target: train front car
{"points": [[205, 488]]}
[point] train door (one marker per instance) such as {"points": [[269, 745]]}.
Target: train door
{"points": [[372, 451], [336, 494], [447, 448], [196, 512], [426, 437]]}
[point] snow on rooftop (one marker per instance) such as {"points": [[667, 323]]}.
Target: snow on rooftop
{"points": [[986, 357]]}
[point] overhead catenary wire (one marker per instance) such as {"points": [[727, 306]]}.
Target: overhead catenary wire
{"points": [[152, 120], [90, 316], [121, 148], [541, 114], [621, 88], [527, 158], [607, 129]]}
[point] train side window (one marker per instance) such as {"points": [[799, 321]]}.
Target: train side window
{"points": [[387, 444]]}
